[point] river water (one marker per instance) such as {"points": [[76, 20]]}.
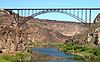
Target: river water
{"points": [[50, 55]]}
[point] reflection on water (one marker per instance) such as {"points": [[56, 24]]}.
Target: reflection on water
{"points": [[52, 52], [50, 55]]}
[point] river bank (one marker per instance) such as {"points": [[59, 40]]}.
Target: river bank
{"points": [[86, 53]]}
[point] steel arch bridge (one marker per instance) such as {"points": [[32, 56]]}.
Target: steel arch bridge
{"points": [[81, 14]]}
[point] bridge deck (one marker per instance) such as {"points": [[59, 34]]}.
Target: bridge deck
{"points": [[52, 8]]}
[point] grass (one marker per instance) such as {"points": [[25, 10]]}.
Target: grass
{"points": [[18, 57], [88, 54]]}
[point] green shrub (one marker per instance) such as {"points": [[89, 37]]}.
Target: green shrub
{"points": [[8, 58], [83, 49], [23, 56], [3, 60], [78, 58], [29, 50], [96, 52]]}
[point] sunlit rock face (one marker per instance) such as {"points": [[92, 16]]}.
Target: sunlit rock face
{"points": [[97, 30]]}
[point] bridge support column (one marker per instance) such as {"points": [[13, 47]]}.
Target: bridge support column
{"points": [[85, 16], [90, 18]]}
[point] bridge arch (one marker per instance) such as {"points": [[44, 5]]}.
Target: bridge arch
{"points": [[58, 11]]}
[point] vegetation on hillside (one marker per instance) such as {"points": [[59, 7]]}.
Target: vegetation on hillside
{"points": [[88, 54]]}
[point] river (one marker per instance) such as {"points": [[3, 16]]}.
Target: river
{"points": [[50, 55]]}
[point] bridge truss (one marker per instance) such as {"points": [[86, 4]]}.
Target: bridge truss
{"points": [[81, 14]]}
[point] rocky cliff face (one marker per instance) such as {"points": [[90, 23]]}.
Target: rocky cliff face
{"points": [[65, 28], [97, 19], [14, 38], [96, 27]]}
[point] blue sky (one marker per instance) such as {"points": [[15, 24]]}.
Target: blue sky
{"points": [[51, 4], [48, 3]]}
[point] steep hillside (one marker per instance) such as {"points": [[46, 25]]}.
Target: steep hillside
{"points": [[14, 38], [65, 28]]}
